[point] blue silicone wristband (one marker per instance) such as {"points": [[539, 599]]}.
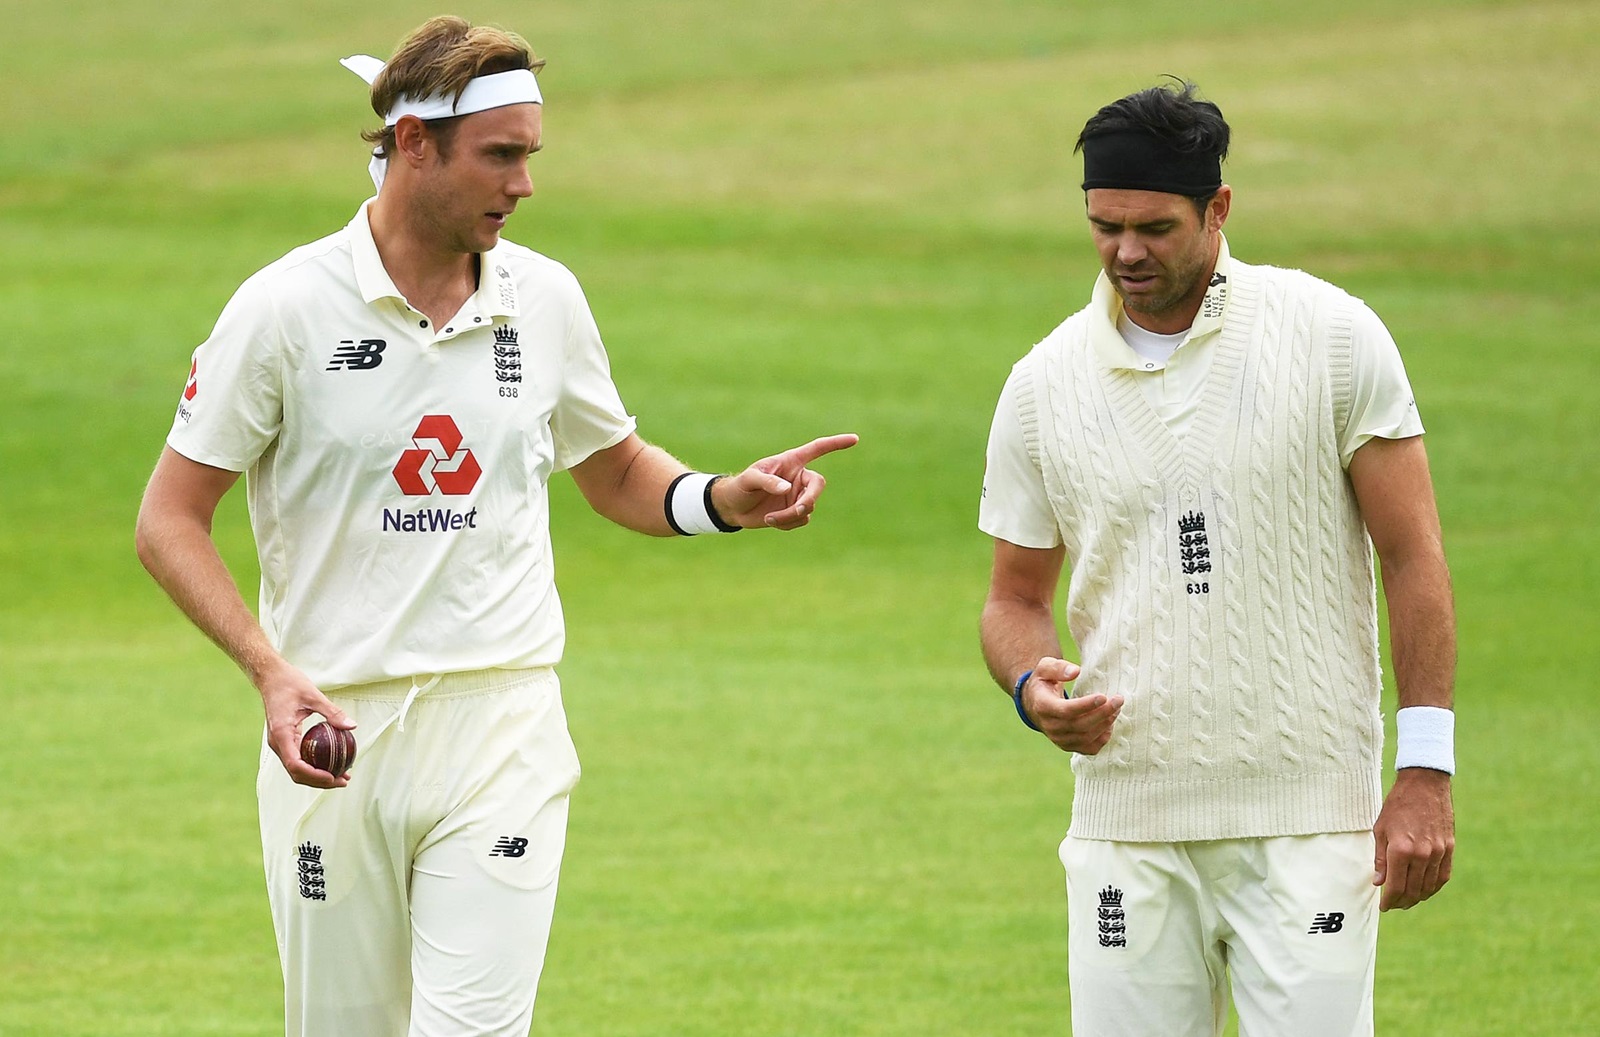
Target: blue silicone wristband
{"points": [[1016, 699]]}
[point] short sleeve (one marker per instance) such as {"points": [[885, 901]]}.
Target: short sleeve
{"points": [[231, 408], [589, 416], [1014, 506], [1381, 401]]}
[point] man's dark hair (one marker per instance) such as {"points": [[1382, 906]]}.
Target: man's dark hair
{"points": [[1172, 113]]}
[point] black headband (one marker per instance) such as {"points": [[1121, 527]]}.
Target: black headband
{"points": [[1138, 161]]}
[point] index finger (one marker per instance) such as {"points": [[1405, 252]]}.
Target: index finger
{"points": [[825, 445]]}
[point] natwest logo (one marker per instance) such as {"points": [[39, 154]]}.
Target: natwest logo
{"points": [[191, 389], [438, 461]]}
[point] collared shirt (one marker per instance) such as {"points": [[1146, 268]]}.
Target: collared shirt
{"points": [[1173, 386], [397, 470], [1014, 506]]}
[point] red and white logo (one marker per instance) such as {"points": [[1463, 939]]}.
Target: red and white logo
{"points": [[192, 386], [439, 461]]}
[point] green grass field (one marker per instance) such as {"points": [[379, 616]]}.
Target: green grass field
{"points": [[805, 811]]}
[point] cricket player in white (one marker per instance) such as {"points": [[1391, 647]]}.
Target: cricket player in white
{"points": [[1214, 449], [400, 393]]}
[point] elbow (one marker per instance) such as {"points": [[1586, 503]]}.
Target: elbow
{"points": [[150, 538], [1004, 612], [144, 543], [1422, 561]]}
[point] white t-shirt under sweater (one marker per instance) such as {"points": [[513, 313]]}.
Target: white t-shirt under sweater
{"points": [[1221, 579], [397, 471]]}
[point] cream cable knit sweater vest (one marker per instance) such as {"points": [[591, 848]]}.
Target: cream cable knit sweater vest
{"points": [[1222, 583]]}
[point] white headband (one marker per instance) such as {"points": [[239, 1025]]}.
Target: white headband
{"points": [[495, 90]]}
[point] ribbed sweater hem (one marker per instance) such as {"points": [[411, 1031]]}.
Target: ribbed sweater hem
{"points": [[1151, 811]]}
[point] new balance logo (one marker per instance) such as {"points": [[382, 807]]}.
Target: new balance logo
{"points": [[509, 846], [1331, 922], [313, 884], [357, 356]]}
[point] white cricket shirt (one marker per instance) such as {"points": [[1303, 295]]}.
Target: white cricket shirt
{"points": [[1014, 506], [397, 470]]}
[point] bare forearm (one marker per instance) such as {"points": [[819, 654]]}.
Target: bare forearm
{"points": [[1422, 629], [1015, 636], [174, 543], [1395, 494], [1414, 836], [181, 556], [628, 485], [1018, 626]]}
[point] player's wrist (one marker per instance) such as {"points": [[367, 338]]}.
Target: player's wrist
{"points": [[718, 505], [1016, 700], [265, 668], [689, 506], [1425, 739]]}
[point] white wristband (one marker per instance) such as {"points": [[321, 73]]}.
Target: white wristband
{"points": [[689, 508], [1426, 738]]}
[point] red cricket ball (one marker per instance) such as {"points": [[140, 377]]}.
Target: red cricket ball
{"points": [[328, 748]]}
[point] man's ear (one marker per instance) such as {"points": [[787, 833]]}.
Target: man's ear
{"points": [[1217, 208], [411, 140]]}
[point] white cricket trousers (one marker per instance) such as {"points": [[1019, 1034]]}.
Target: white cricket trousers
{"points": [[416, 901], [1157, 932]]}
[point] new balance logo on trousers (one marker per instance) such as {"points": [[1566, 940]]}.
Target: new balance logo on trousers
{"points": [[509, 846], [1330, 922]]}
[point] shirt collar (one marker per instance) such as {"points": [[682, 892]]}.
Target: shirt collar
{"points": [[497, 289], [1105, 307]]}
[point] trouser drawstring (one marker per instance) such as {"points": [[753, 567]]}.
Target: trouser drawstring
{"points": [[411, 696]]}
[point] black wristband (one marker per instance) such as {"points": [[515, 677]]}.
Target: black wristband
{"points": [[666, 505], [711, 509]]}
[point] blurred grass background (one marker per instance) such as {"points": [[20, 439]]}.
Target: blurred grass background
{"points": [[805, 812]]}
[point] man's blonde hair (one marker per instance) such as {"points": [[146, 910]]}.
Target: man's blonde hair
{"points": [[438, 59]]}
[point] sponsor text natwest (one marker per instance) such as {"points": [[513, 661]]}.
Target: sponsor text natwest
{"points": [[428, 520]]}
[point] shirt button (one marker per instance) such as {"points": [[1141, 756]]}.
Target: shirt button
{"points": [[1149, 367], [477, 320], [448, 330], [422, 323]]}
